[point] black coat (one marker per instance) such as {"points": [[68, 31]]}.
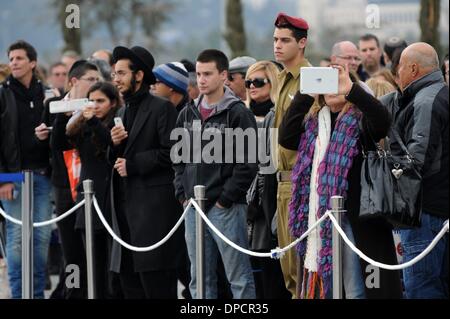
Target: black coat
{"points": [[11, 158], [373, 237], [91, 141], [262, 199], [144, 207]]}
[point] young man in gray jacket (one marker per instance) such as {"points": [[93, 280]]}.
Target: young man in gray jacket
{"points": [[227, 177]]}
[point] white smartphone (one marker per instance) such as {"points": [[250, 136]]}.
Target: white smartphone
{"points": [[318, 80], [68, 106], [118, 121]]}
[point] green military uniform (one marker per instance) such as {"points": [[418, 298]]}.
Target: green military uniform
{"points": [[289, 85]]}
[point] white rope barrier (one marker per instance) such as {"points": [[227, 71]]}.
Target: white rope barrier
{"points": [[441, 234], [45, 223], [131, 247], [276, 253]]}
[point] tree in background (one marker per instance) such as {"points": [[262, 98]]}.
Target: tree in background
{"points": [[126, 19], [235, 33], [123, 20], [429, 23]]}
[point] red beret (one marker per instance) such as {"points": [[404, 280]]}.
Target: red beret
{"points": [[283, 19]]}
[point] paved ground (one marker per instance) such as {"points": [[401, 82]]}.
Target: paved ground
{"points": [[4, 288]]}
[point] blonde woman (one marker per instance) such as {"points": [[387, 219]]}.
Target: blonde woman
{"points": [[261, 83], [380, 87]]}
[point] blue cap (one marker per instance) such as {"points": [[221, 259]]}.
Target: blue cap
{"points": [[174, 75]]}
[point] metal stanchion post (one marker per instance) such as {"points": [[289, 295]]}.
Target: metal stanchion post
{"points": [[88, 187], [337, 206], [27, 236], [199, 192]]}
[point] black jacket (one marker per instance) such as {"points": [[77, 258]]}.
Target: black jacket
{"points": [[91, 141], [10, 149], [226, 183], [421, 116], [144, 207], [262, 199]]}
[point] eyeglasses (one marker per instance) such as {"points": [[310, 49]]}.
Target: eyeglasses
{"points": [[119, 74], [91, 80], [231, 78], [257, 83], [350, 58]]}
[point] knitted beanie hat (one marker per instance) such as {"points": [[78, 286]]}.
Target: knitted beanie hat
{"points": [[174, 75]]}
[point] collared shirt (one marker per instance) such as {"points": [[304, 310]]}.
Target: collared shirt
{"points": [[289, 85]]}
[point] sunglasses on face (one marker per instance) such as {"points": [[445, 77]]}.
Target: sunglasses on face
{"points": [[257, 83]]}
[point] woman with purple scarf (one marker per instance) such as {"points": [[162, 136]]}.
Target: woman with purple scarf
{"points": [[328, 131]]}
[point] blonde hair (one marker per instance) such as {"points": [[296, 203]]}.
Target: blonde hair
{"points": [[380, 87], [5, 71], [271, 71], [387, 75]]}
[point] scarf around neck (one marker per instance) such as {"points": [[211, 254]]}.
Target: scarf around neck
{"points": [[331, 180], [261, 109]]}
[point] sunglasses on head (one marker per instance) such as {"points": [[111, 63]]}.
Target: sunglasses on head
{"points": [[257, 83]]}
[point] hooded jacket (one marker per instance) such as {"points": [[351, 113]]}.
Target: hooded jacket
{"points": [[421, 117], [227, 178]]}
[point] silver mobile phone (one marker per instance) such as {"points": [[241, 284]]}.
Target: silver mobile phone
{"points": [[118, 121]]}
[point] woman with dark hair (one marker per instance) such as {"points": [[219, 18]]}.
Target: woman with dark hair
{"points": [[329, 135], [89, 132]]}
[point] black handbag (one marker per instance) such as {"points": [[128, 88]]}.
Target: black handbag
{"points": [[391, 186]]}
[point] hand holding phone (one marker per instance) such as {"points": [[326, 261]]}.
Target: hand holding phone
{"points": [[319, 80], [42, 132], [118, 121], [118, 133], [88, 111], [345, 82]]}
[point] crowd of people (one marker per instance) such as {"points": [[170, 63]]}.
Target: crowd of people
{"points": [[123, 142]]}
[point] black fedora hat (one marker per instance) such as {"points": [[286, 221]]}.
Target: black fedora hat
{"points": [[140, 57]]}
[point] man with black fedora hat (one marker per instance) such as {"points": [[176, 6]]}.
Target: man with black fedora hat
{"points": [[144, 208]]}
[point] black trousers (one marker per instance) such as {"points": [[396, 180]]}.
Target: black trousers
{"points": [[71, 240], [269, 282], [149, 285]]}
